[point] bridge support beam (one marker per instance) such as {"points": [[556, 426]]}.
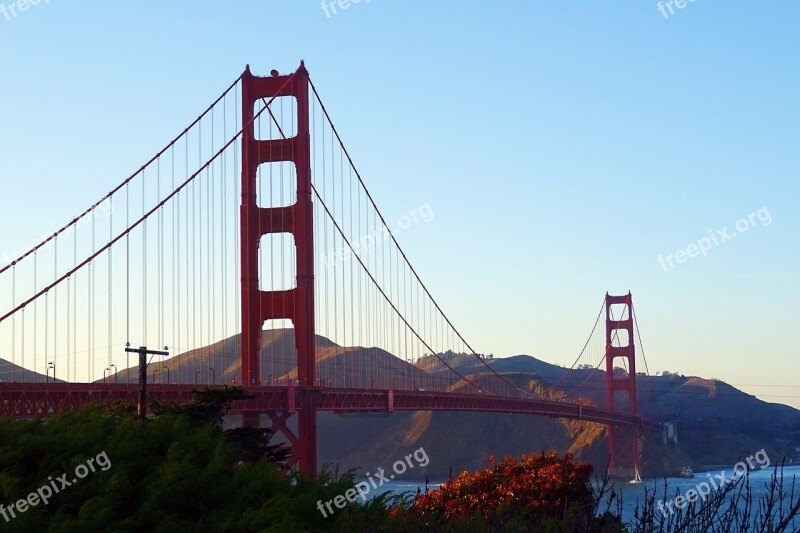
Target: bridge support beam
{"points": [[296, 304], [623, 443]]}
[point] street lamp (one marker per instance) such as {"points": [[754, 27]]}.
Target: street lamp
{"points": [[154, 376], [195, 376], [213, 374], [116, 377], [51, 365], [234, 377], [168, 378], [269, 381], [104, 375]]}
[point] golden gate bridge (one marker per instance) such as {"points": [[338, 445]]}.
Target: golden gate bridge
{"points": [[215, 247]]}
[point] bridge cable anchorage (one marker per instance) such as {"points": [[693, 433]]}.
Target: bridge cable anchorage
{"points": [[399, 248]]}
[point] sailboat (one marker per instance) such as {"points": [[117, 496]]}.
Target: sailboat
{"points": [[637, 479]]}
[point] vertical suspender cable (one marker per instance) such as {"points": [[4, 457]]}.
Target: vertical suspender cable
{"points": [[223, 242], [109, 340], [35, 312], [127, 284], [55, 305], [236, 227], [160, 248], [175, 308], [14, 323], [189, 308], [212, 299], [46, 326]]}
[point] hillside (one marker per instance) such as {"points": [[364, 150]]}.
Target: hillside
{"points": [[219, 363], [716, 423], [10, 373]]}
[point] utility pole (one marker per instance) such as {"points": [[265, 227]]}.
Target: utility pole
{"points": [[143, 353]]}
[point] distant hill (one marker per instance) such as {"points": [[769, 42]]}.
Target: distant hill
{"points": [[716, 423], [10, 373], [337, 366]]}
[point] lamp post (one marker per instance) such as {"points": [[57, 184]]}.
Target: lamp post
{"points": [[168, 378], [154, 376], [213, 374], [234, 377], [195, 376], [105, 380], [52, 366], [116, 377]]}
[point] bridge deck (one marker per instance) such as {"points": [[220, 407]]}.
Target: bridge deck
{"points": [[39, 399]]}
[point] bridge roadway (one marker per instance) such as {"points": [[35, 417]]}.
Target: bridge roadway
{"points": [[28, 400]]}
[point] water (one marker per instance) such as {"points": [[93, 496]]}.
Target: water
{"points": [[633, 495], [404, 485]]}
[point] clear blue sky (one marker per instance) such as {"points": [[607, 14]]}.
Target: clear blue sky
{"points": [[562, 148]]}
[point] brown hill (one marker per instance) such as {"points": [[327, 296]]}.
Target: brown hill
{"points": [[11, 373], [338, 366], [716, 423]]}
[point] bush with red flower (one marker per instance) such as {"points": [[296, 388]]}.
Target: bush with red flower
{"points": [[540, 485]]}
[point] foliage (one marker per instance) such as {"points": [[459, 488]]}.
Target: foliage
{"points": [[171, 473], [536, 493], [207, 406], [180, 471]]}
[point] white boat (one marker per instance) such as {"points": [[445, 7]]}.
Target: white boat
{"points": [[637, 478]]}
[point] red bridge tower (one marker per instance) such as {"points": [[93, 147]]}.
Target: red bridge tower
{"points": [[296, 304], [623, 443]]}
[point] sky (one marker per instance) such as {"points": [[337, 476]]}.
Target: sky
{"points": [[565, 150]]}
